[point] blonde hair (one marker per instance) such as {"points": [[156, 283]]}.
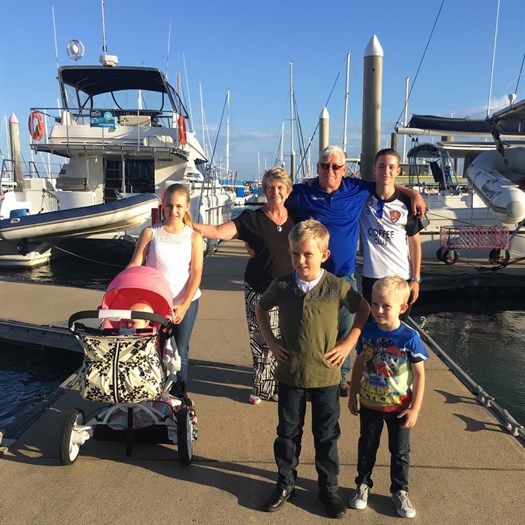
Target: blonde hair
{"points": [[179, 188], [278, 174], [140, 306], [310, 230], [393, 283]]}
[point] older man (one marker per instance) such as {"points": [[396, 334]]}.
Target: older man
{"points": [[337, 202]]}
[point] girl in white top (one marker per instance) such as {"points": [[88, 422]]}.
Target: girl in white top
{"points": [[176, 250]]}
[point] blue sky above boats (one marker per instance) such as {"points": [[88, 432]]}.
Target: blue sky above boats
{"points": [[246, 46]]}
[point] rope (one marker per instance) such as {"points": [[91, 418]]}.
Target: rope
{"points": [[421, 61], [86, 258], [519, 76]]}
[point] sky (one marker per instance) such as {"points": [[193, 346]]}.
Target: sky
{"points": [[246, 46]]}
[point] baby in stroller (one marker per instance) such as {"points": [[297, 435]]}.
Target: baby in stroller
{"points": [[130, 363]]}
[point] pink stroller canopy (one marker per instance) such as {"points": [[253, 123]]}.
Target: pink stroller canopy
{"points": [[138, 284]]}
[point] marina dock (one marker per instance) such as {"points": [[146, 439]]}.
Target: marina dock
{"points": [[465, 467]]}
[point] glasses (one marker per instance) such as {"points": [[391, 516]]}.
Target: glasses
{"points": [[379, 211], [327, 165]]}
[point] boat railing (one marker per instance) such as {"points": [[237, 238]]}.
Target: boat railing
{"points": [[157, 129], [7, 173], [93, 117]]}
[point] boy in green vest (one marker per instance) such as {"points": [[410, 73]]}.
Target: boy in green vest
{"points": [[309, 359]]}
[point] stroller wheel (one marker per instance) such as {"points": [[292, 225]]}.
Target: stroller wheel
{"points": [[184, 432], [72, 437]]}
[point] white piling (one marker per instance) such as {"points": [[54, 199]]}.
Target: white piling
{"points": [[324, 130], [16, 157]]}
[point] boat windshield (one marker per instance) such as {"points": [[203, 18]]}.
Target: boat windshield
{"points": [[132, 100], [125, 91]]}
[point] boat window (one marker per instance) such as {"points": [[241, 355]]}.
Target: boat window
{"points": [[139, 176]]}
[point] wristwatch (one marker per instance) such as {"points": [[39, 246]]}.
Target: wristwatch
{"points": [[416, 280]]}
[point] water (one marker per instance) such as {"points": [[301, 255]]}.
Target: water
{"points": [[487, 340], [28, 376], [90, 270]]}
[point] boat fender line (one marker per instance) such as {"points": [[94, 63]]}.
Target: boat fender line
{"points": [[182, 129], [36, 125]]}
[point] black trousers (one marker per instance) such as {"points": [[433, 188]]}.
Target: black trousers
{"points": [[325, 429], [398, 445]]}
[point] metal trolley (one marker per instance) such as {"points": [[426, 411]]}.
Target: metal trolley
{"points": [[494, 238]]}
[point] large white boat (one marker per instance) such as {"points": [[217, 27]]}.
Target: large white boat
{"points": [[123, 131], [477, 202]]}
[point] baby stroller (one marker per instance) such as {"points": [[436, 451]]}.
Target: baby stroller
{"points": [[132, 369]]}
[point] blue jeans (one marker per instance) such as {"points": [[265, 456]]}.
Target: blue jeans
{"points": [[398, 445], [182, 334], [325, 428], [346, 319]]}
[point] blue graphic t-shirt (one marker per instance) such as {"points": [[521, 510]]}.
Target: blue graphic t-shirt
{"points": [[387, 372]]}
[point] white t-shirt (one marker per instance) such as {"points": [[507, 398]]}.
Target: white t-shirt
{"points": [[385, 227]]}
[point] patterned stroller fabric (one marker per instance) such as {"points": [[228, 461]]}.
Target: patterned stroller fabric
{"points": [[121, 369]]}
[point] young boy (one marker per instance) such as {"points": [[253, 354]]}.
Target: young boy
{"points": [[309, 360], [389, 376], [389, 231]]}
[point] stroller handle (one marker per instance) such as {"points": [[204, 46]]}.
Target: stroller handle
{"points": [[118, 315]]}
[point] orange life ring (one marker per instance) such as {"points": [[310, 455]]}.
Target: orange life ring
{"points": [[37, 128], [182, 129]]}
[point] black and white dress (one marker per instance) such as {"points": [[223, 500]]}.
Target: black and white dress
{"points": [[270, 243]]}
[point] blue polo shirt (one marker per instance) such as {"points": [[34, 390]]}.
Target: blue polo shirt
{"points": [[339, 212]]}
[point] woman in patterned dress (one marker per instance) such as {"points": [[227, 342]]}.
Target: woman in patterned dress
{"points": [[265, 230]]}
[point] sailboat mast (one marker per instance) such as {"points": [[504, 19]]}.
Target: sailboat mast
{"points": [[292, 152], [281, 146], [227, 133], [347, 91], [493, 58], [204, 138], [405, 120]]}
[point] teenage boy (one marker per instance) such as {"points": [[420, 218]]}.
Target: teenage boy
{"points": [[389, 230]]}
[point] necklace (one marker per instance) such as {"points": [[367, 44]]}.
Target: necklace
{"points": [[278, 226]]}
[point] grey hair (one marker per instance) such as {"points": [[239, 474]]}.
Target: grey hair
{"points": [[332, 150]]}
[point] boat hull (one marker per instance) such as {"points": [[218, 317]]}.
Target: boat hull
{"points": [[500, 182], [123, 214]]}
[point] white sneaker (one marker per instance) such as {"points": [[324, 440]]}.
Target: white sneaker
{"points": [[255, 400], [403, 505], [359, 499]]}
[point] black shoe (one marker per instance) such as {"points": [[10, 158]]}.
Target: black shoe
{"points": [[278, 498], [344, 390], [334, 505]]}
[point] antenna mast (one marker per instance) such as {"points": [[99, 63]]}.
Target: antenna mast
{"points": [[104, 47]]}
